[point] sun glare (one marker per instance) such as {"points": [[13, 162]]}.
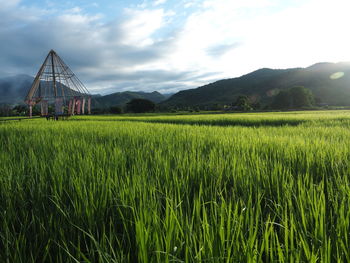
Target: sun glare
{"points": [[337, 75]]}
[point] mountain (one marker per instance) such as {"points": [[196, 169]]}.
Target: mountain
{"points": [[121, 98], [14, 89], [167, 95], [329, 82]]}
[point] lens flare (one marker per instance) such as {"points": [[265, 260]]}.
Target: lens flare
{"points": [[337, 75]]}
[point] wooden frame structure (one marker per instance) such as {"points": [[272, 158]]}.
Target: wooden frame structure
{"points": [[57, 86]]}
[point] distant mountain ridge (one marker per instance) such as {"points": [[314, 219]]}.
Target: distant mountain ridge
{"points": [[121, 98], [262, 84], [329, 82], [14, 89]]}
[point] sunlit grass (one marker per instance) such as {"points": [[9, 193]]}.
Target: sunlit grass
{"points": [[227, 188], [236, 119]]}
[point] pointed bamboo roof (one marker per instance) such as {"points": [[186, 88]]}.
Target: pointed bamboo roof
{"points": [[55, 80]]}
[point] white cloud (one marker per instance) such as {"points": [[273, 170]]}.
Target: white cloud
{"points": [[141, 25], [234, 5], [262, 33], [314, 32], [74, 10], [140, 50], [7, 4], [191, 3], [104, 55], [158, 2]]}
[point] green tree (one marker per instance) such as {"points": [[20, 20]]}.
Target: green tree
{"points": [[20, 110], [281, 100], [293, 98], [140, 106], [115, 110], [5, 110], [301, 97], [242, 104]]}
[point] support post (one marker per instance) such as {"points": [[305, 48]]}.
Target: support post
{"points": [[58, 106], [78, 105], [83, 107], [53, 74], [30, 111], [73, 106], [70, 105], [44, 108], [89, 105]]}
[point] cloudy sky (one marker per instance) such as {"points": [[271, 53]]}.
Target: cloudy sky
{"points": [[170, 45]]}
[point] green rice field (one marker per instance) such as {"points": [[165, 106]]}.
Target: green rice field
{"points": [[254, 187]]}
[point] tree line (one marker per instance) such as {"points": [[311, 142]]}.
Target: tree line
{"points": [[133, 106], [293, 98]]}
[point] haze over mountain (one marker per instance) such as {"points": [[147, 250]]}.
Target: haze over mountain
{"points": [[14, 89], [329, 82], [121, 98]]}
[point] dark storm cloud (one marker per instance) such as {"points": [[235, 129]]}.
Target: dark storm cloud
{"points": [[26, 45]]}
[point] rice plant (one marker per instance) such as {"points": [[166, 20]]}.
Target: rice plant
{"points": [[194, 188]]}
